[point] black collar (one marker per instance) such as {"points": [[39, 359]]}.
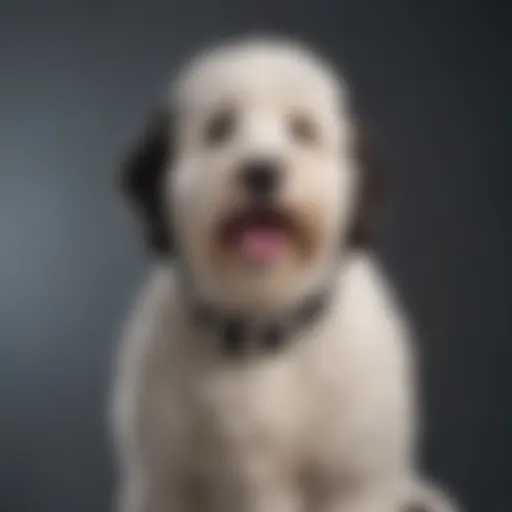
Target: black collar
{"points": [[239, 336]]}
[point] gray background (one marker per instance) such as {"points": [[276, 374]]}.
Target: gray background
{"points": [[76, 82]]}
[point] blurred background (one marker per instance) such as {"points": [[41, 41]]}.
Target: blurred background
{"points": [[77, 80]]}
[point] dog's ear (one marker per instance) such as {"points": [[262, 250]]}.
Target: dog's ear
{"points": [[142, 179], [375, 188]]}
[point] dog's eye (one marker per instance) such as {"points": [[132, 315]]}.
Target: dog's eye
{"points": [[220, 127], [303, 129]]}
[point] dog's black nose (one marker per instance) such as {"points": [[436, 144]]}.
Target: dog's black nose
{"points": [[261, 177]]}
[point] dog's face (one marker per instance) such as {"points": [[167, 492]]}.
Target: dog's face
{"points": [[253, 173]]}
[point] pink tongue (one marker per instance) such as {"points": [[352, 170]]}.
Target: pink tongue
{"points": [[262, 244]]}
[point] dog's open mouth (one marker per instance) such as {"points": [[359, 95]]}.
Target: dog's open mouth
{"points": [[260, 236]]}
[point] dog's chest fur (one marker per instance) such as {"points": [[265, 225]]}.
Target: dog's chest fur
{"points": [[309, 408]]}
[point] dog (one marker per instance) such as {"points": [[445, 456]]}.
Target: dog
{"points": [[268, 366]]}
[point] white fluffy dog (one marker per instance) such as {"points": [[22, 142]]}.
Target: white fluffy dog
{"points": [[268, 365]]}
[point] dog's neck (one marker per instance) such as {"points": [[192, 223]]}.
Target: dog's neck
{"points": [[239, 334]]}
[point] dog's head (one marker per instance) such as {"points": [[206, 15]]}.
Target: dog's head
{"points": [[256, 173]]}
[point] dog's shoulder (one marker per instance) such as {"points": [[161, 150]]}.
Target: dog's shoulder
{"points": [[370, 312], [363, 273], [153, 324], [153, 309], [145, 346], [365, 288]]}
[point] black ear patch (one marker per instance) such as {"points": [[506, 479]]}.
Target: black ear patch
{"points": [[374, 190], [142, 179]]}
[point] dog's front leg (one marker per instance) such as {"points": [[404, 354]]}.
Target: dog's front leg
{"points": [[367, 499], [362, 504], [139, 494], [274, 498], [267, 487]]}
